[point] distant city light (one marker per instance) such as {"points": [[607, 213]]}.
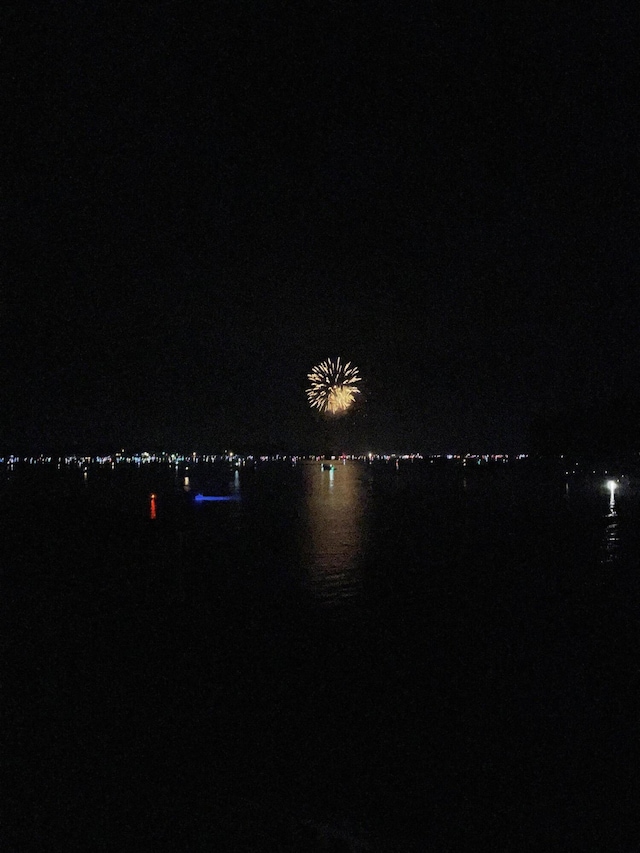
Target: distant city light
{"points": [[182, 462]]}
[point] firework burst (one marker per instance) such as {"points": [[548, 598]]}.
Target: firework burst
{"points": [[333, 386]]}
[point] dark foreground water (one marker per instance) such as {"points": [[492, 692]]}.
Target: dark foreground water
{"points": [[370, 658]]}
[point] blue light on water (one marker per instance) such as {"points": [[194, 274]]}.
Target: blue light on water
{"points": [[200, 498]]}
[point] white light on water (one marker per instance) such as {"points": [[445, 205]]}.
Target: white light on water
{"points": [[612, 485]]}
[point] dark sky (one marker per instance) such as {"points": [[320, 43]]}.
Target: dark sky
{"points": [[198, 208]]}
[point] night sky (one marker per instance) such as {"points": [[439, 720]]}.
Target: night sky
{"points": [[198, 208]]}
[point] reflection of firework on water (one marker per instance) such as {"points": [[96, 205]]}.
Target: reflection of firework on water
{"points": [[333, 386]]}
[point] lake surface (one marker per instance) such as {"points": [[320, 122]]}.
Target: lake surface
{"points": [[381, 656]]}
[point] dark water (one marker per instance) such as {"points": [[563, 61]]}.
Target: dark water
{"points": [[369, 658]]}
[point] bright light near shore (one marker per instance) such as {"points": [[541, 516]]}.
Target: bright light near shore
{"points": [[612, 485]]}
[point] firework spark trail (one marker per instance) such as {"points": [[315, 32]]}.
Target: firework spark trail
{"points": [[333, 386]]}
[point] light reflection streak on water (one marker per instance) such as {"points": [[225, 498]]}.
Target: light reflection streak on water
{"points": [[335, 507], [611, 535]]}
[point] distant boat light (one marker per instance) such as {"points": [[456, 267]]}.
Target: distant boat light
{"points": [[200, 498], [612, 485]]}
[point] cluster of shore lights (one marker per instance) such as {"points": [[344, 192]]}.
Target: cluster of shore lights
{"points": [[129, 459], [145, 458], [237, 459]]}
